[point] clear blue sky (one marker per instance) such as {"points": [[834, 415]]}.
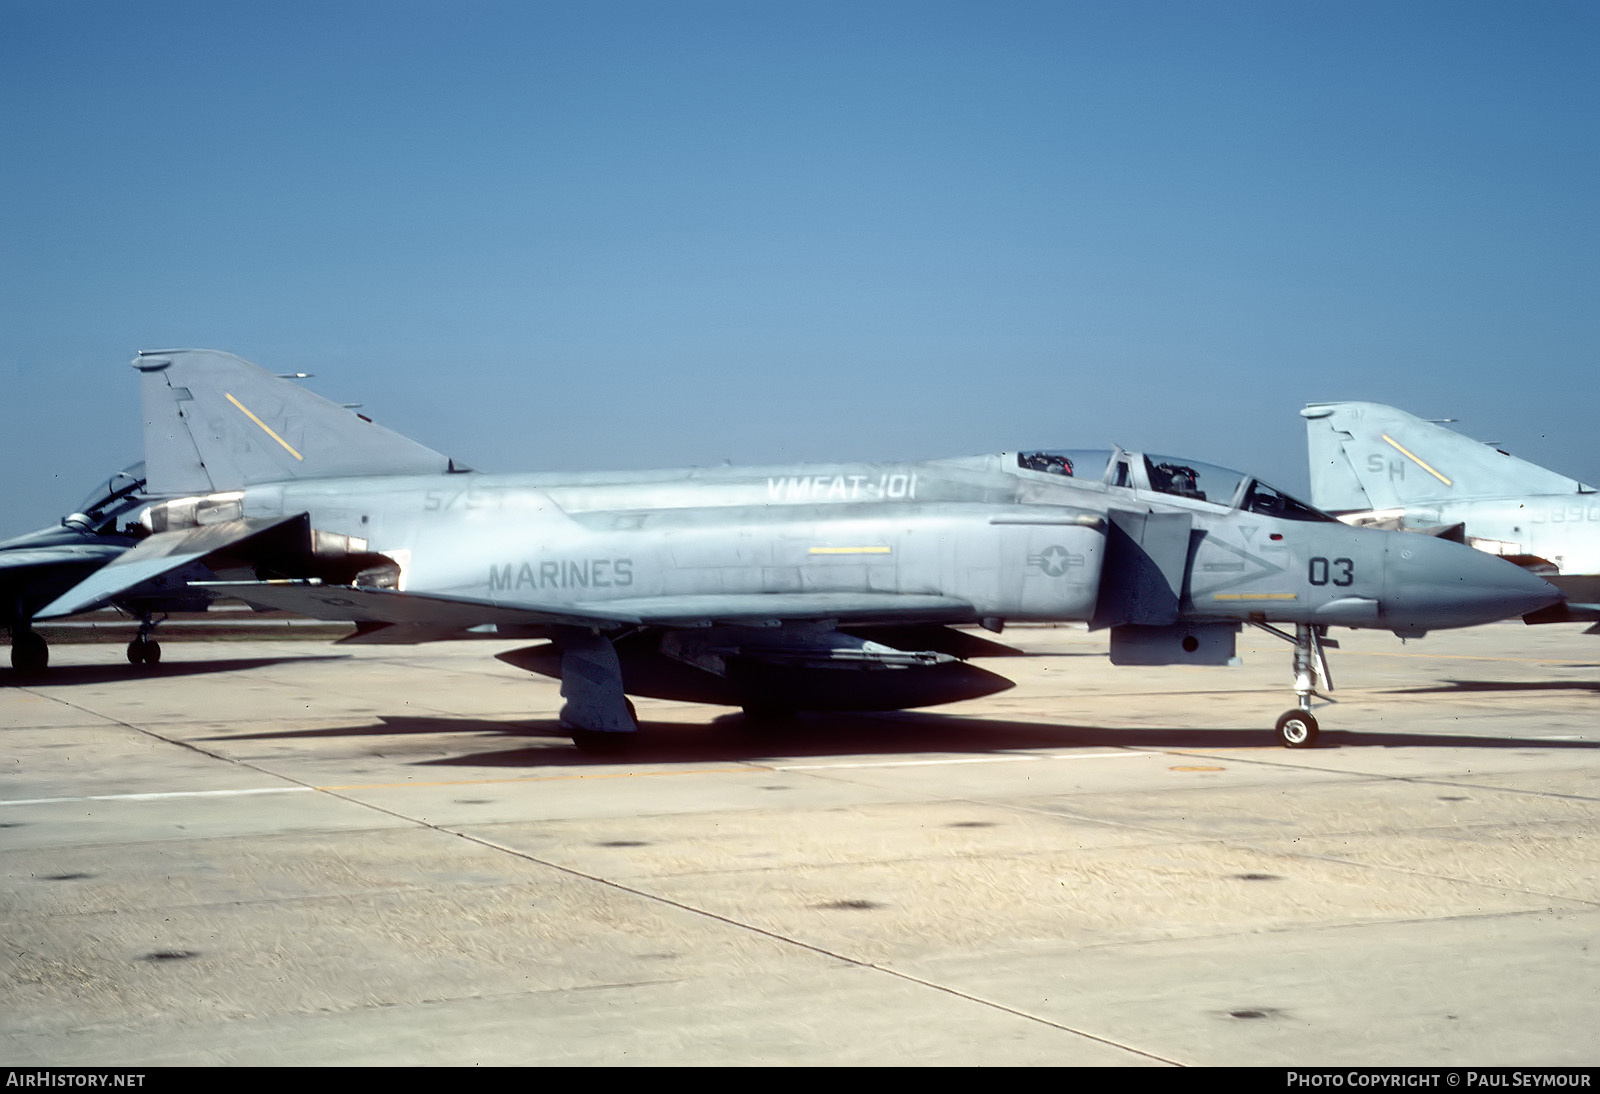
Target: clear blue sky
{"points": [[633, 234]]}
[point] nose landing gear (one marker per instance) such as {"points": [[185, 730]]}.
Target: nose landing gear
{"points": [[1298, 728]]}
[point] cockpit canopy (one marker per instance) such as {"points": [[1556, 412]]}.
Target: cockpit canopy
{"points": [[1081, 463], [108, 500], [1175, 475]]}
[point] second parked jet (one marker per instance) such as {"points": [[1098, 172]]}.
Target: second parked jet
{"points": [[1376, 466]]}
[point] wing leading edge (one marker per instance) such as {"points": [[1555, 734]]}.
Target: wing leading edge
{"points": [[378, 605]]}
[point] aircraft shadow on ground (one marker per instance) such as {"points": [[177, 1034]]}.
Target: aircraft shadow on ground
{"points": [[729, 738], [75, 675], [1461, 687], [1036, 655]]}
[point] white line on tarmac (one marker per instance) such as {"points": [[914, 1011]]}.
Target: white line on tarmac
{"points": [[962, 760], [169, 794], [1023, 758]]}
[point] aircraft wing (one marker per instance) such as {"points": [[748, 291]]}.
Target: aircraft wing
{"points": [[377, 605], [15, 562], [159, 555], [361, 604], [753, 608], [31, 576]]}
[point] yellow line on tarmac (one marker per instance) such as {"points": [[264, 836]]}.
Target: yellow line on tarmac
{"points": [[1467, 657], [549, 778], [1212, 749]]}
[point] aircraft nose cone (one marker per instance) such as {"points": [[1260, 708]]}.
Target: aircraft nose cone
{"points": [[1433, 584]]}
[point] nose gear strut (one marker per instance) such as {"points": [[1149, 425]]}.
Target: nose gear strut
{"points": [[1297, 728]]}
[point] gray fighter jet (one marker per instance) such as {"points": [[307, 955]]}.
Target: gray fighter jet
{"points": [[824, 587], [37, 567], [1375, 466]]}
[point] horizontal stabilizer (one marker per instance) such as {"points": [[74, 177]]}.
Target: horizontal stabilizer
{"points": [[161, 554]]}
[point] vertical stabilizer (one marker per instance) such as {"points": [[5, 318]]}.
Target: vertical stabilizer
{"points": [[1366, 456], [215, 422]]}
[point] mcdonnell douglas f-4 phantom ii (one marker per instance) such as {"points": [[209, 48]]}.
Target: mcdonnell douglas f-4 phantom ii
{"points": [[823, 587], [1375, 466], [39, 566]]}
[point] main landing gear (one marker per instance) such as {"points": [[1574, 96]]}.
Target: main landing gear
{"points": [[144, 649], [1297, 728], [597, 713], [29, 652]]}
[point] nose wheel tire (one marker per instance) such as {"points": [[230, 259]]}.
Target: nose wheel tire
{"points": [[1297, 729]]}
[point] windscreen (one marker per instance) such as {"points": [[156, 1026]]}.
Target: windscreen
{"points": [[1271, 502]]}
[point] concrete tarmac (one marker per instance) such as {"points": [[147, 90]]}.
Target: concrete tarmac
{"points": [[287, 852]]}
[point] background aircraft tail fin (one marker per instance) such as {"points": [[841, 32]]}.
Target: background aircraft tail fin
{"points": [[215, 422], [1366, 456]]}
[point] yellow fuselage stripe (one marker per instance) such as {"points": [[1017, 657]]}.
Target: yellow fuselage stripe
{"points": [[264, 427], [1408, 454]]}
